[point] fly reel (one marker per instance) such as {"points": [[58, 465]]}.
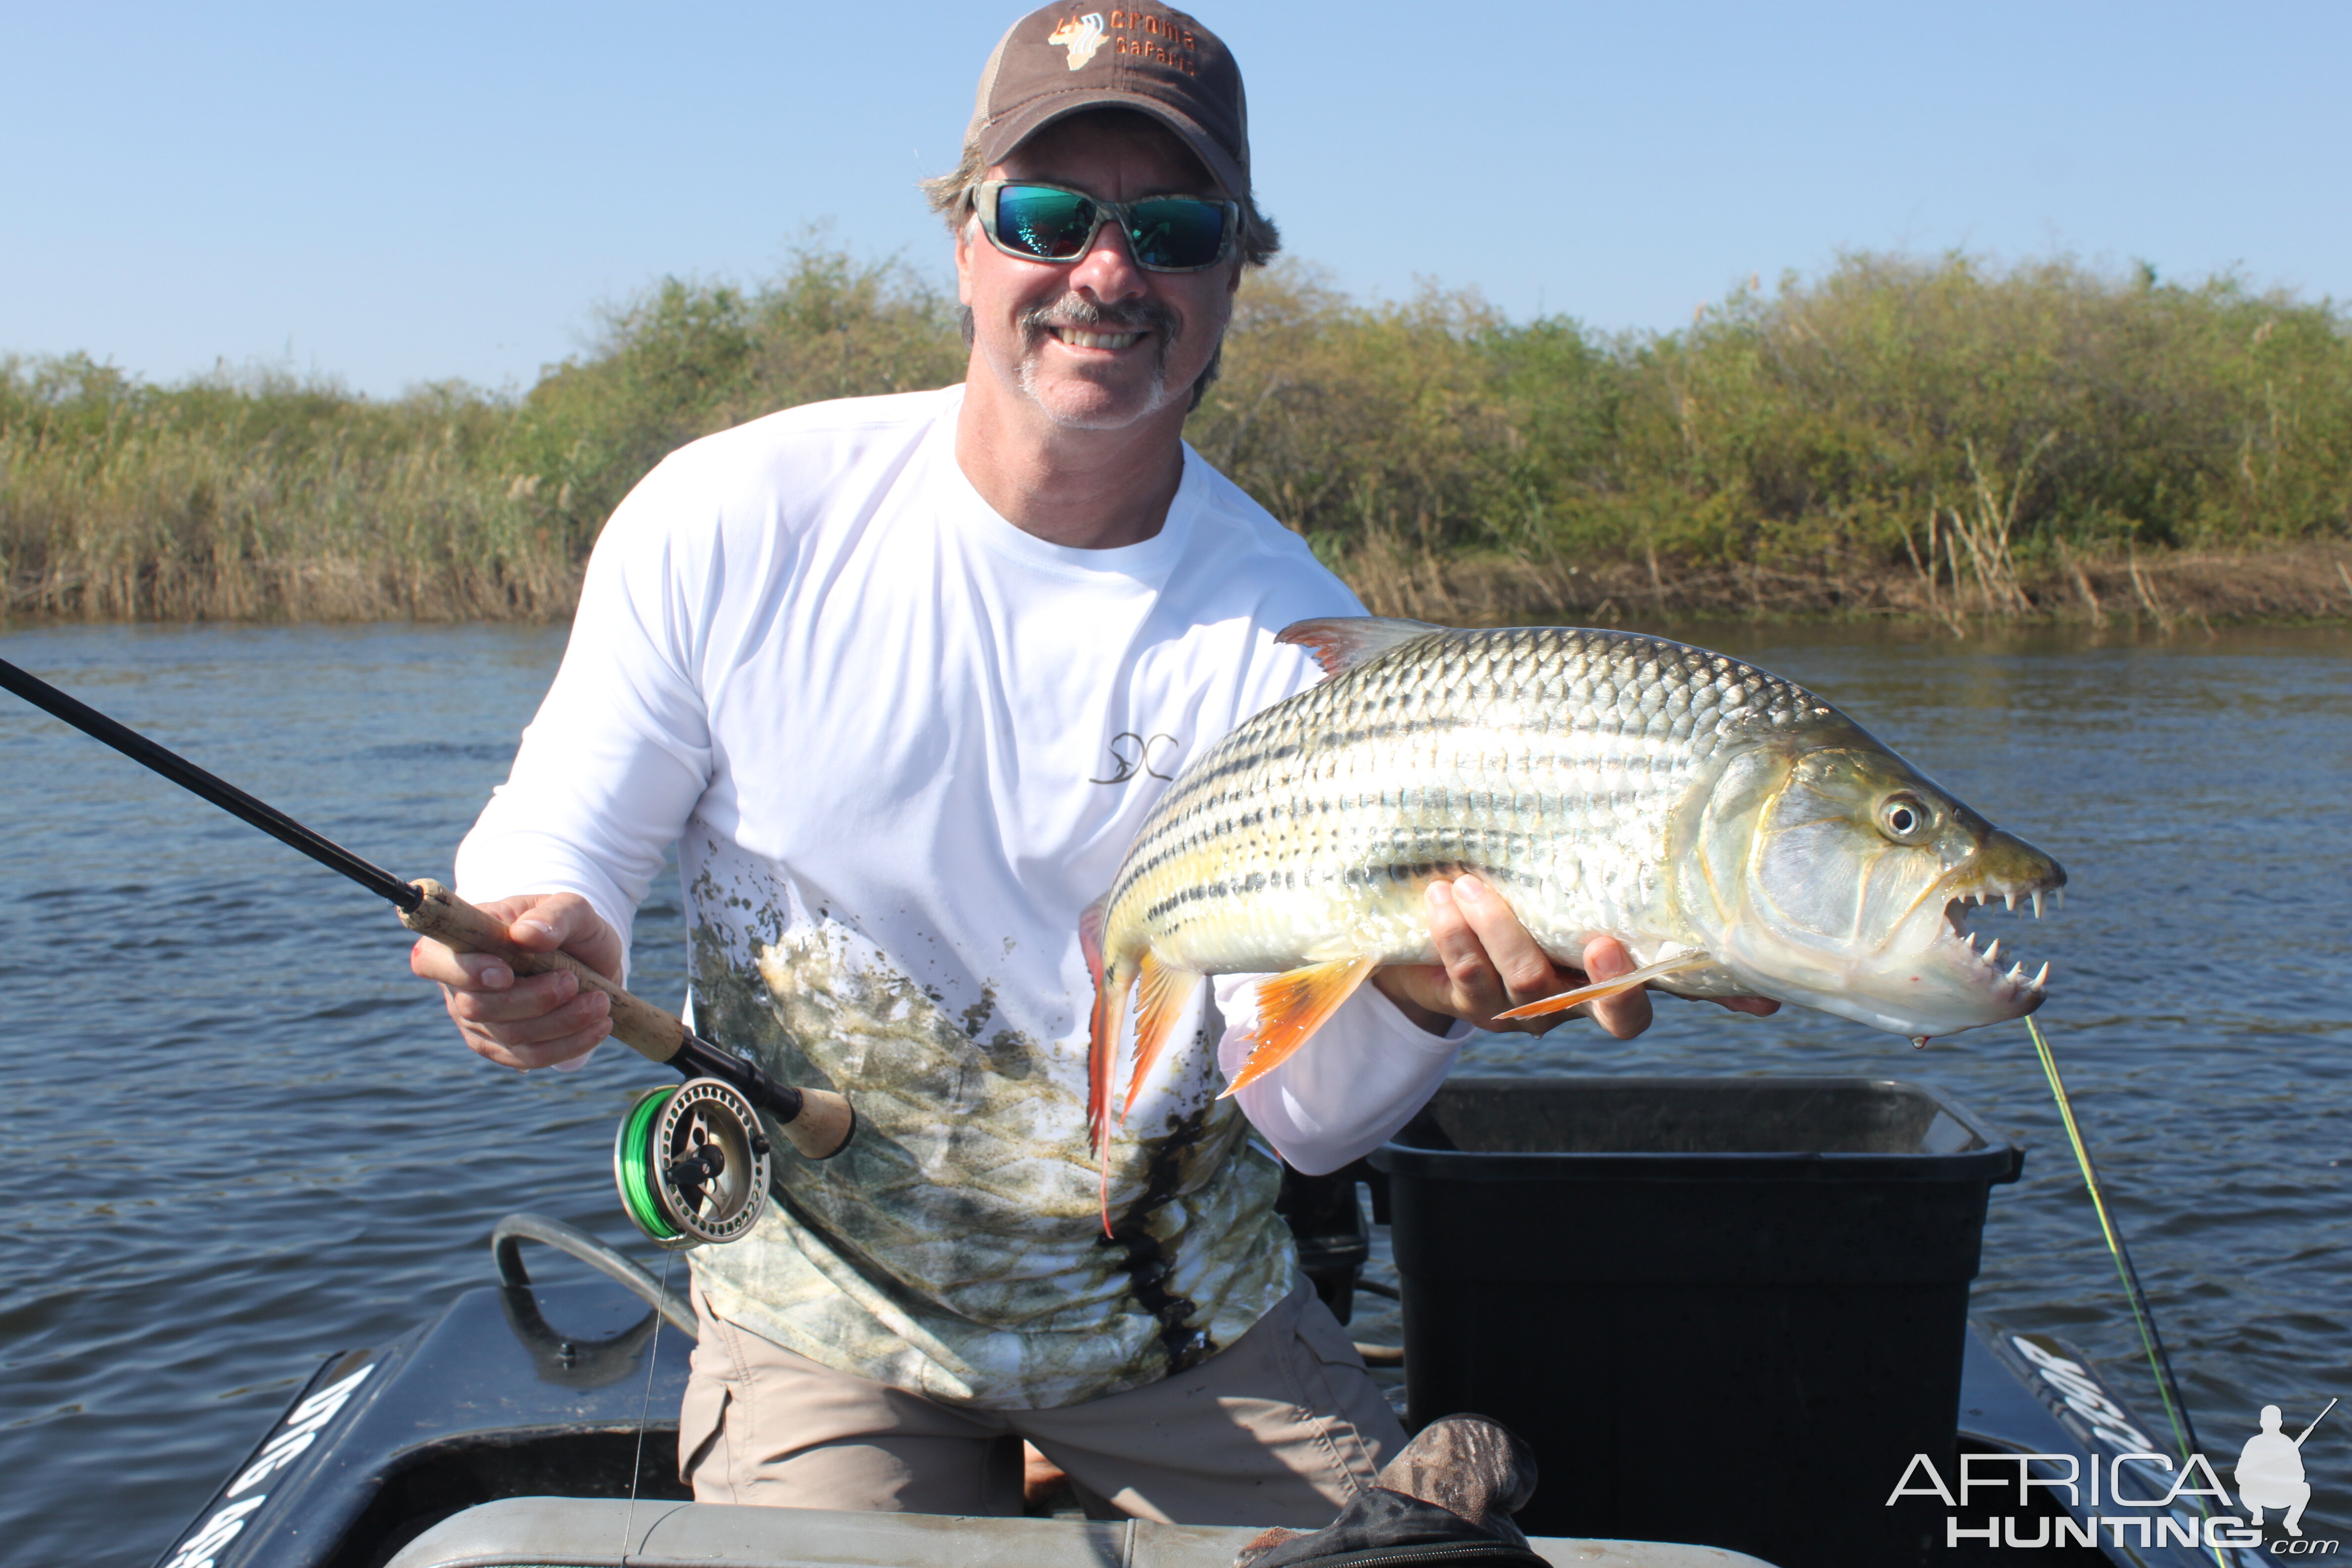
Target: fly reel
{"points": [[692, 1165]]}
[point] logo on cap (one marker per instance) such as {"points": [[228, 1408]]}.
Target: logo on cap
{"points": [[1083, 34]]}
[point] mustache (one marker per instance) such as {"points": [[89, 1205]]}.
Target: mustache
{"points": [[1075, 310]]}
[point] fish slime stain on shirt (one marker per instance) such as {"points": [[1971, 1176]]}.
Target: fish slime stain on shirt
{"points": [[956, 1247]]}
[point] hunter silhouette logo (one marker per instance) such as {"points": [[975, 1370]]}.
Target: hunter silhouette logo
{"points": [[1082, 36], [2270, 1471]]}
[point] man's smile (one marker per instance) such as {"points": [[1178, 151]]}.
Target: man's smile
{"points": [[1073, 337]]}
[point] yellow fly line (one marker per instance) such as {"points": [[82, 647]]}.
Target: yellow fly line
{"points": [[2159, 1365]]}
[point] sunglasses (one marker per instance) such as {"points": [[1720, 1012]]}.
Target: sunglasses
{"points": [[1046, 223]]}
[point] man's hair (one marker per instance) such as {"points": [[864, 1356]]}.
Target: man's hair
{"points": [[956, 197]]}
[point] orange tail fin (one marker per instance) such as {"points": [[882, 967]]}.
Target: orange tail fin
{"points": [[1292, 1006], [1638, 978], [1161, 992]]}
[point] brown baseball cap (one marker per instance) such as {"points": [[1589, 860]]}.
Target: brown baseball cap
{"points": [[1057, 61]]}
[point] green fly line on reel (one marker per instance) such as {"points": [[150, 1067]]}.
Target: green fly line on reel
{"points": [[691, 1164]]}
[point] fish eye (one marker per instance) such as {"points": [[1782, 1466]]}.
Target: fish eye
{"points": [[1904, 817]]}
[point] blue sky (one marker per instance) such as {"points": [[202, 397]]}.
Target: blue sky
{"points": [[392, 195]]}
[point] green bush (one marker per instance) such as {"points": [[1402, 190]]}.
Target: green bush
{"points": [[686, 359], [1932, 419], [1833, 413]]}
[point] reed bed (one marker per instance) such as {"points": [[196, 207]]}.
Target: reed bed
{"points": [[1937, 439], [262, 499]]}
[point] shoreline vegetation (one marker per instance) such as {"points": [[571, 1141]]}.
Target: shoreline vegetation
{"points": [[1934, 439]]}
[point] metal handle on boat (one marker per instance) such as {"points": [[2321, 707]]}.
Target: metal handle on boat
{"points": [[506, 1247]]}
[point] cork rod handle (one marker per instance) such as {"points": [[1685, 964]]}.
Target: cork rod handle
{"points": [[825, 1123]]}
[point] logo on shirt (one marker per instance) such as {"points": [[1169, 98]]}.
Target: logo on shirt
{"points": [[1082, 34], [1131, 753]]}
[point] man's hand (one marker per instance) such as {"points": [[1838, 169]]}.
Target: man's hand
{"points": [[530, 1020], [1488, 964]]}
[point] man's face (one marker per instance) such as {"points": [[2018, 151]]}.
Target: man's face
{"points": [[1097, 343]]}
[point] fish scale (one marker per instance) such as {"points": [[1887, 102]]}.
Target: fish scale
{"points": [[1606, 783], [1398, 766]]}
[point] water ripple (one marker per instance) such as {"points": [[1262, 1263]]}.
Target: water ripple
{"points": [[245, 1138]]}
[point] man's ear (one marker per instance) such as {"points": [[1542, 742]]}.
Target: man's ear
{"points": [[963, 263], [1234, 282]]}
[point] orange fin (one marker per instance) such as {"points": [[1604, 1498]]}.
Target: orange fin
{"points": [[1341, 643], [1161, 994], [1634, 981], [1102, 1027], [1102, 1045], [1111, 982], [1292, 1006]]}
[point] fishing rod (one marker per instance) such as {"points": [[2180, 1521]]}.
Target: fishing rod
{"points": [[692, 1162], [2314, 1423]]}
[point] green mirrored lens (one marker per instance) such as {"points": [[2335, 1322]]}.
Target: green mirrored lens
{"points": [[1176, 232], [1040, 221]]}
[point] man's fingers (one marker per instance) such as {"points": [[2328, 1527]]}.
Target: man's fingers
{"points": [[569, 921], [534, 923], [438, 961], [535, 1026], [533, 996], [1487, 962], [1626, 1014], [1512, 956], [549, 923], [1476, 990], [529, 1020]]}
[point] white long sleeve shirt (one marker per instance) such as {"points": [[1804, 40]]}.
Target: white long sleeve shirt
{"points": [[900, 745]]}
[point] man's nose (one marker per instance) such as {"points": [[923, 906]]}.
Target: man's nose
{"points": [[1108, 270]]}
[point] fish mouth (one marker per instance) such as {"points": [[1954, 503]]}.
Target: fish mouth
{"points": [[1956, 943]]}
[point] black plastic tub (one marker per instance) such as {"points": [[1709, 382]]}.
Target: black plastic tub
{"points": [[1724, 1310]]}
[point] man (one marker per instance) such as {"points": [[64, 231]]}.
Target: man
{"points": [[901, 676], [2270, 1473]]}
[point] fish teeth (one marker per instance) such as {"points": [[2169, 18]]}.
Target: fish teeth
{"points": [[2016, 974], [1972, 942], [2012, 903], [2041, 980], [2037, 903], [1993, 954]]}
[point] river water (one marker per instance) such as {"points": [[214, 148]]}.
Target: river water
{"points": [[237, 1135]]}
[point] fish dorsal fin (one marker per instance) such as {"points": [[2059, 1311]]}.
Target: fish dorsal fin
{"points": [[1294, 1005], [1341, 643]]}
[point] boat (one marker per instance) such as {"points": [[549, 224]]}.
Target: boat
{"points": [[535, 1424]]}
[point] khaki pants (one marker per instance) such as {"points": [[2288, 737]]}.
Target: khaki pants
{"points": [[1281, 1427]]}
